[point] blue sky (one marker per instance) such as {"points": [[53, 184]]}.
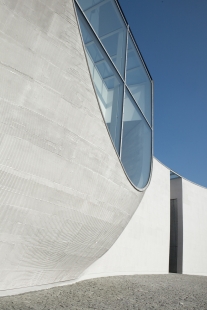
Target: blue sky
{"points": [[172, 37]]}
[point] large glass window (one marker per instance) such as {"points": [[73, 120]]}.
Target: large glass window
{"points": [[129, 119], [136, 143], [110, 28], [109, 87], [137, 80]]}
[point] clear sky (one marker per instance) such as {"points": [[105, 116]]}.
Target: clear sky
{"points": [[172, 37]]}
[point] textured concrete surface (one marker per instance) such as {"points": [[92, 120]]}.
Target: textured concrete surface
{"points": [[147, 232], [171, 291], [64, 197]]}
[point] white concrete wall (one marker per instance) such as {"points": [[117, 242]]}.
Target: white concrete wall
{"points": [[64, 198], [194, 229], [143, 247]]}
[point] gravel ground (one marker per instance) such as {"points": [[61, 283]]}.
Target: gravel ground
{"points": [[171, 291]]}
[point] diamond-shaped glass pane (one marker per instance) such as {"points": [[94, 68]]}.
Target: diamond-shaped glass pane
{"points": [[109, 26], [138, 81]]}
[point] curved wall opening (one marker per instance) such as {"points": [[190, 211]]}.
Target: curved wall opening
{"points": [[122, 83]]}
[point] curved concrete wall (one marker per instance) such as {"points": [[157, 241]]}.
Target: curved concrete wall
{"points": [[64, 196], [143, 247]]}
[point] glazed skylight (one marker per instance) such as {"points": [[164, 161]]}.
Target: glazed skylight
{"points": [[122, 83]]}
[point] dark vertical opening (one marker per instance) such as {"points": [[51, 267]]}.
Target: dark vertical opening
{"points": [[173, 236]]}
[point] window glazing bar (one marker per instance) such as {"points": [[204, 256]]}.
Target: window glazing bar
{"points": [[96, 5], [88, 22], [122, 123], [133, 69], [140, 55], [110, 33], [89, 43], [108, 77], [98, 62], [139, 106], [121, 13], [123, 79], [126, 56], [124, 19], [137, 49]]}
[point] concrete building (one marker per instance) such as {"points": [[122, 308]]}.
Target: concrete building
{"points": [[81, 195], [189, 202]]}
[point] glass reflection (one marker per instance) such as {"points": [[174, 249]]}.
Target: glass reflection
{"points": [[88, 4], [110, 28], [138, 81], [136, 143], [108, 85]]}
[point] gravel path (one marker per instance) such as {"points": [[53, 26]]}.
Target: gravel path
{"points": [[171, 291]]}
